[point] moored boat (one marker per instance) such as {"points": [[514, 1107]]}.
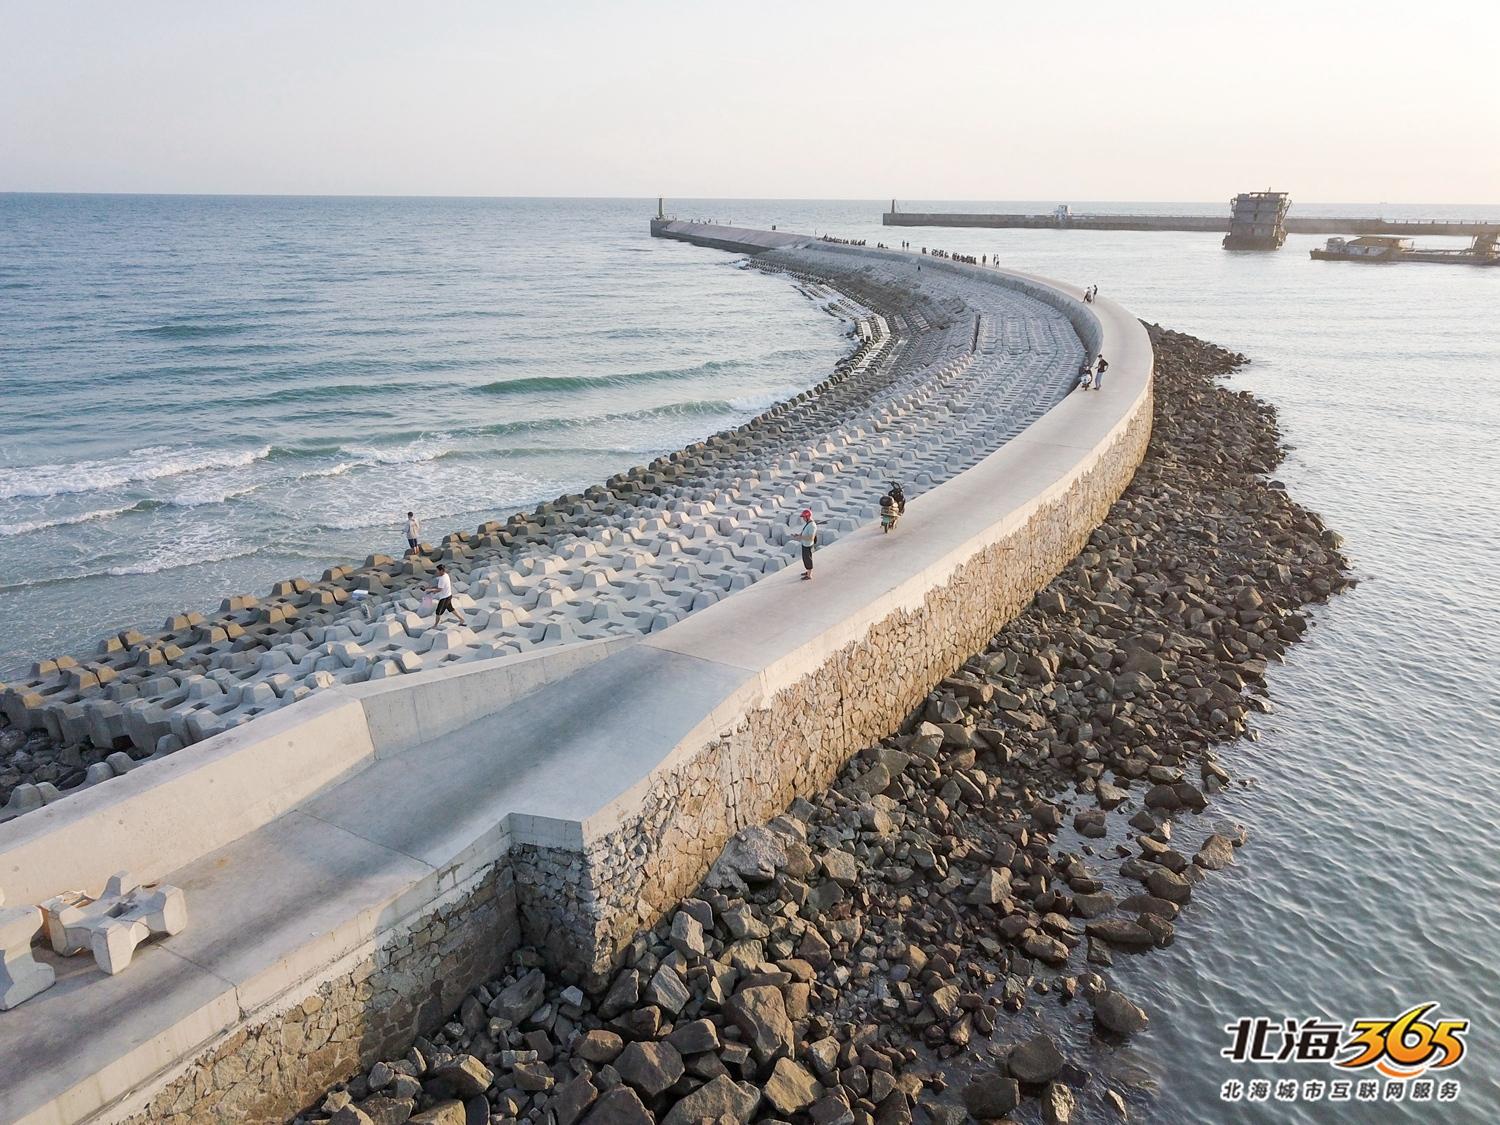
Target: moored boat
{"points": [[1391, 248]]}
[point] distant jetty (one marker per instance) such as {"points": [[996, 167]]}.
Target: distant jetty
{"points": [[1257, 220]]}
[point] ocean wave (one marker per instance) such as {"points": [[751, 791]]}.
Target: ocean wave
{"points": [[147, 464], [330, 471], [182, 331], [757, 403], [25, 527], [546, 383], [341, 391], [157, 564], [208, 495], [412, 453], [523, 451]]}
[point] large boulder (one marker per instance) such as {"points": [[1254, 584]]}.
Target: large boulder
{"points": [[791, 1089], [619, 1106], [696, 1037], [760, 1014], [1114, 1012], [1168, 885], [992, 1096], [570, 1102], [385, 1110], [450, 1112], [1121, 932], [687, 934], [599, 1046], [1215, 854], [650, 1067], [1057, 1105], [465, 1077], [715, 1100], [519, 1000], [751, 857], [667, 991], [840, 866], [1036, 1061]]}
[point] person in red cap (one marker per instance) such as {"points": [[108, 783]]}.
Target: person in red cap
{"points": [[809, 537]]}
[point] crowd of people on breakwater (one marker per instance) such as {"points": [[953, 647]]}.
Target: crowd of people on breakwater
{"points": [[843, 241]]}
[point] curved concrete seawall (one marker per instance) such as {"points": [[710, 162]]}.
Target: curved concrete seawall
{"points": [[418, 829]]}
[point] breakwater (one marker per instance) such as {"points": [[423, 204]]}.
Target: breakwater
{"points": [[584, 803], [1308, 224], [662, 541], [932, 937]]}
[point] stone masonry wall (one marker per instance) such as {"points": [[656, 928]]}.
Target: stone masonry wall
{"points": [[801, 739], [270, 1067]]}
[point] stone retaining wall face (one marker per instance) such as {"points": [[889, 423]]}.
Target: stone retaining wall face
{"points": [[796, 745], [269, 1069]]}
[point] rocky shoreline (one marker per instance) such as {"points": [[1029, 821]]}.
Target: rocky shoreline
{"points": [[909, 944]]}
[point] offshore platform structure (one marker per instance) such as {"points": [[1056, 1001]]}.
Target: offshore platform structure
{"points": [[1257, 220]]}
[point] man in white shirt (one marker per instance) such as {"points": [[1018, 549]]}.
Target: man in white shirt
{"points": [[444, 591], [809, 539], [413, 531]]}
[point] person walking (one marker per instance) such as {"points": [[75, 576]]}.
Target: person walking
{"points": [[1099, 373], [413, 531], [809, 539], [443, 588]]}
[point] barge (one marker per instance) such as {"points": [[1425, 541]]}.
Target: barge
{"points": [[1390, 248]]}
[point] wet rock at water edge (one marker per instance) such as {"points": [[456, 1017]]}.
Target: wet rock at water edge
{"points": [[1114, 1012], [1036, 1061], [991, 1096]]}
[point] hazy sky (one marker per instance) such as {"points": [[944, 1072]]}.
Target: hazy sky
{"points": [[820, 98]]}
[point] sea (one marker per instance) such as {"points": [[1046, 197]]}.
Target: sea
{"points": [[205, 394]]}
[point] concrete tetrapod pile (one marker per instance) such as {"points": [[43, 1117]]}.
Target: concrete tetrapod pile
{"points": [[949, 365]]}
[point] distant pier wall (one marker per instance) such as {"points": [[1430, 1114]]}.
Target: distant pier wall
{"points": [[738, 240], [1310, 224]]}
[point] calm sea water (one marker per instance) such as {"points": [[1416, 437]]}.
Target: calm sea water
{"points": [[203, 395], [206, 394]]}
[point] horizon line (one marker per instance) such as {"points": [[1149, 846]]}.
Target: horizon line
{"points": [[695, 198]]}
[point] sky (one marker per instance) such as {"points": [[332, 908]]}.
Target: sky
{"points": [[946, 99]]}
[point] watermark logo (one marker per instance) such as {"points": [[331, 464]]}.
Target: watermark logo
{"points": [[1407, 1046], [1401, 1058]]}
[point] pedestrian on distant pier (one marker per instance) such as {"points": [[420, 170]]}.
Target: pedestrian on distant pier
{"points": [[809, 539], [1099, 373], [443, 588], [1085, 375], [413, 531]]}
